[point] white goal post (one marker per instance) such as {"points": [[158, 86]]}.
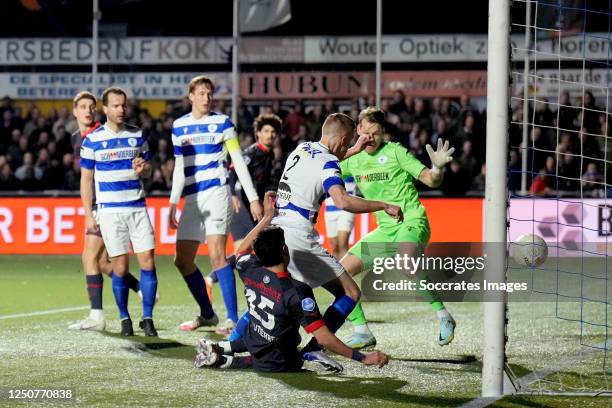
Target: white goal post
{"points": [[498, 74]]}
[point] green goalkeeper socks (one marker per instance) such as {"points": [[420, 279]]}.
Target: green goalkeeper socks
{"points": [[357, 317], [437, 305]]}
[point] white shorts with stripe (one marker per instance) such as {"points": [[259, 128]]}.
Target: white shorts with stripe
{"points": [[309, 261]]}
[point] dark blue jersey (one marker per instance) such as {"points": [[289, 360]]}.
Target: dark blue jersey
{"points": [[278, 306]]}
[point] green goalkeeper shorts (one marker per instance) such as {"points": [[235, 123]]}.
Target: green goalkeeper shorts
{"points": [[383, 241]]}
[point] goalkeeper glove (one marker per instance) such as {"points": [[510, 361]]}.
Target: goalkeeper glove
{"points": [[441, 156]]}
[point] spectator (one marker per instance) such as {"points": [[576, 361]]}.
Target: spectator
{"points": [[24, 172], [479, 180], [567, 113], [592, 180], [543, 114], [466, 132], [569, 173], [538, 150], [421, 116], [295, 118], [398, 105], [589, 146], [72, 180], [43, 162], [440, 132], [591, 113], [13, 151], [467, 160], [540, 185], [8, 182], [315, 120], [456, 181]]}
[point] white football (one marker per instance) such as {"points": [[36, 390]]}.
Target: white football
{"points": [[530, 250]]}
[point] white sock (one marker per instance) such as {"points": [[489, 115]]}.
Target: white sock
{"points": [[228, 361], [443, 314], [226, 346], [362, 329], [96, 314]]}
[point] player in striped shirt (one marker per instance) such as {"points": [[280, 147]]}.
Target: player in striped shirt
{"points": [[95, 258], [202, 140], [339, 223], [114, 157]]}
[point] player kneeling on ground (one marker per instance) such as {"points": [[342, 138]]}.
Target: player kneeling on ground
{"points": [[278, 305]]}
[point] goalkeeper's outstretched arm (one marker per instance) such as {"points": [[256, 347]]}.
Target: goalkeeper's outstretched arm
{"points": [[439, 158]]}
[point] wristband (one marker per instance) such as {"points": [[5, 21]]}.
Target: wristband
{"points": [[357, 356]]}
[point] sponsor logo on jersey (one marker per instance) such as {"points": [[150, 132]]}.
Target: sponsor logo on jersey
{"points": [[190, 140], [308, 304], [266, 290], [373, 177], [118, 155]]}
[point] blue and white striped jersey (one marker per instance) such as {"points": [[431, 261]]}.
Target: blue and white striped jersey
{"points": [[201, 143], [349, 185], [311, 170], [110, 154]]}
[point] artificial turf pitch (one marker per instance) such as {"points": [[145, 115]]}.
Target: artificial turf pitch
{"points": [[104, 369]]}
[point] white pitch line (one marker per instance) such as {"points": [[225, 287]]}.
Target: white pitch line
{"points": [[43, 312]]}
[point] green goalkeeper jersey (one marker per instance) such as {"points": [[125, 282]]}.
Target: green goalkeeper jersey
{"points": [[388, 175]]}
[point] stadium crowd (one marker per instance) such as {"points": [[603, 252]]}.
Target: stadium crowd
{"points": [[36, 152], [567, 146]]}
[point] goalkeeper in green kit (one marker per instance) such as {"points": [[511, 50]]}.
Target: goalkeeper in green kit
{"points": [[387, 171]]}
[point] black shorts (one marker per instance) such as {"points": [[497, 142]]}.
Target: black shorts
{"points": [[242, 223], [276, 360], [272, 359]]}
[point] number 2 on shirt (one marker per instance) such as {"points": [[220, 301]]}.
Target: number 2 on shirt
{"points": [[295, 159]]}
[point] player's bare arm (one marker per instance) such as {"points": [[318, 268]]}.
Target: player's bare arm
{"points": [[329, 341], [87, 192], [362, 142], [439, 158], [178, 183], [358, 205], [269, 210]]}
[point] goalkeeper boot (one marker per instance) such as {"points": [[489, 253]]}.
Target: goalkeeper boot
{"points": [[447, 330], [359, 341], [326, 361], [89, 324], [148, 327], [198, 322], [126, 327]]}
